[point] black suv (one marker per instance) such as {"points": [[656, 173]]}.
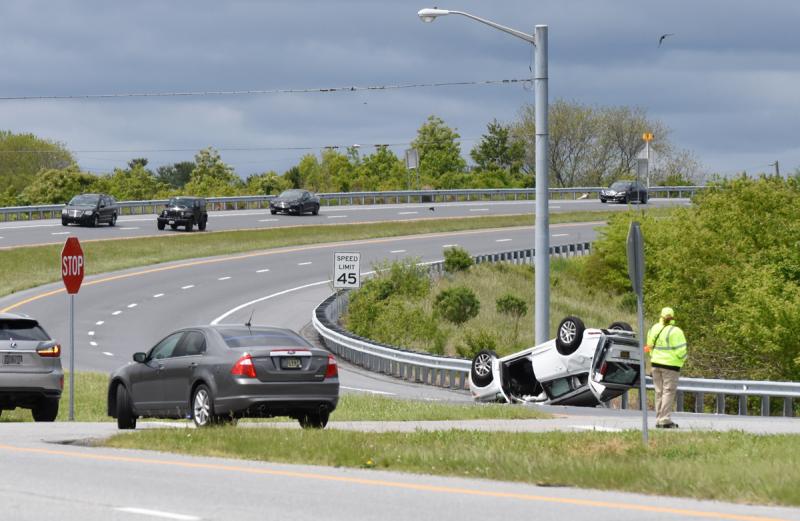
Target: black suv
{"points": [[184, 211], [90, 209]]}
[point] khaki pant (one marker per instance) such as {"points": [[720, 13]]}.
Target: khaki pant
{"points": [[666, 384]]}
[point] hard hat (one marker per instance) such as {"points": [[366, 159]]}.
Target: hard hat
{"points": [[667, 313]]}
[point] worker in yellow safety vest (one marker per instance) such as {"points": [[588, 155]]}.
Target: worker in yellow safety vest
{"points": [[667, 344]]}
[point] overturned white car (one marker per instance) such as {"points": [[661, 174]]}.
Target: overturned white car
{"points": [[584, 367]]}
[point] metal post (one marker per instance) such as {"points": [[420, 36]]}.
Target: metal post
{"points": [[642, 387], [72, 358], [542, 230], [647, 148]]}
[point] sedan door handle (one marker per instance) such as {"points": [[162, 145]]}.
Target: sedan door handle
{"points": [[193, 365]]}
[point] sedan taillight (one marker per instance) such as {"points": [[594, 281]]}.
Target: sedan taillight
{"points": [[333, 370], [49, 352], [244, 367]]}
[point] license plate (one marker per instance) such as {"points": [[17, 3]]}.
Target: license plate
{"points": [[172, 222], [624, 354], [291, 363], [12, 359]]}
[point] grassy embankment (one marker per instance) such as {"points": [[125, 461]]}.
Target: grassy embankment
{"points": [[26, 267], [724, 466]]}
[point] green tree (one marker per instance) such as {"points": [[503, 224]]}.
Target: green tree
{"points": [[498, 150], [514, 307], [135, 183], [294, 177], [457, 304], [212, 177], [438, 148], [457, 259], [381, 170], [176, 175], [22, 156], [268, 183], [57, 186]]}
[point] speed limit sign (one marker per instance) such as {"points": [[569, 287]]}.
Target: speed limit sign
{"points": [[346, 270]]}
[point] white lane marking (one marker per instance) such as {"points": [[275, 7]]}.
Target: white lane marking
{"points": [[268, 220], [158, 295], [556, 207], [407, 213], [60, 233], [262, 271], [190, 286], [478, 209], [157, 513], [116, 313], [397, 251], [224, 278], [129, 228], [0, 237], [560, 235], [449, 245], [596, 428], [304, 263], [93, 344], [107, 353], [99, 323], [91, 333], [262, 299], [503, 240], [366, 390], [336, 216], [131, 306]]}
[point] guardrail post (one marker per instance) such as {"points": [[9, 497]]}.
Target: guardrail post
{"points": [[788, 409], [743, 405], [699, 402], [765, 406], [624, 401], [721, 403], [679, 401]]}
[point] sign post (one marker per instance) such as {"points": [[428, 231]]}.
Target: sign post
{"points": [[72, 268], [647, 137], [636, 274], [346, 270]]}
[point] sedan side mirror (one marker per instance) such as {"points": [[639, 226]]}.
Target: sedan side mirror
{"points": [[140, 357]]}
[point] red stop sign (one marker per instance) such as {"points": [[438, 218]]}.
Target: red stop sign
{"points": [[72, 265]]}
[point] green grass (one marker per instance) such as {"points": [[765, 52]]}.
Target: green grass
{"points": [[90, 400], [729, 466], [26, 267]]}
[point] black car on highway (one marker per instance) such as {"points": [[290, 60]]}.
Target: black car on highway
{"points": [[624, 192], [215, 374], [295, 202], [184, 211], [90, 210]]}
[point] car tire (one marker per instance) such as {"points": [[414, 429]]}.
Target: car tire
{"points": [[64, 222], [620, 326], [273, 212], [202, 225], [569, 335], [160, 225], [125, 417], [202, 407], [481, 368], [96, 221], [602, 200], [315, 211], [626, 199], [113, 221], [189, 226], [173, 226], [644, 199], [314, 419], [46, 410]]}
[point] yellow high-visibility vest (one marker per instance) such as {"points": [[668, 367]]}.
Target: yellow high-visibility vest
{"points": [[669, 345]]}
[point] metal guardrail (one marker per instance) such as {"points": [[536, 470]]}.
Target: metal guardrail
{"points": [[452, 373], [244, 202]]}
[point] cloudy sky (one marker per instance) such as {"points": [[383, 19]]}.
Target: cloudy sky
{"points": [[727, 83]]}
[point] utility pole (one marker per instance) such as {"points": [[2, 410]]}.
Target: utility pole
{"points": [[777, 168]]}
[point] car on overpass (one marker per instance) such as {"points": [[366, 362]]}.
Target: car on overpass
{"points": [[295, 202], [31, 376], [90, 210], [216, 374], [581, 366]]}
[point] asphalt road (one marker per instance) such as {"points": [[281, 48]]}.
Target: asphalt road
{"points": [[14, 234]]}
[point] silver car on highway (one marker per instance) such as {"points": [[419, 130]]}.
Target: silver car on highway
{"points": [[31, 376], [219, 373]]}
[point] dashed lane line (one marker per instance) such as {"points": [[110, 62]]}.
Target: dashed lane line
{"points": [[397, 251], [367, 391], [133, 305], [189, 286], [99, 323], [503, 240], [561, 235], [91, 333], [407, 213], [107, 353], [336, 216], [115, 313], [262, 271], [93, 343], [157, 513], [304, 263], [158, 295]]}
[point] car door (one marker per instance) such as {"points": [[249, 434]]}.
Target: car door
{"points": [[178, 371], [147, 389], [306, 201]]}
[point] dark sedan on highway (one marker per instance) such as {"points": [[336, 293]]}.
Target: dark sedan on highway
{"points": [[295, 202], [91, 210], [624, 192], [216, 374]]}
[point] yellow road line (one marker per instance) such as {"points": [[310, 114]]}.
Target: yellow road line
{"points": [[263, 253], [393, 484]]}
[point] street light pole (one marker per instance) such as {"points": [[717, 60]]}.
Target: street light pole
{"points": [[542, 230]]}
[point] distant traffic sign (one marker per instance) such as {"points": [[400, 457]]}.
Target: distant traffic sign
{"points": [[346, 270], [647, 136], [72, 265]]}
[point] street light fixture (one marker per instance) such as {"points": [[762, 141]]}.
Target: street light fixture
{"points": [[542, 230]]}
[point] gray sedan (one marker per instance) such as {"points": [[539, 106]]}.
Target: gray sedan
{"points": [[218, 373]]}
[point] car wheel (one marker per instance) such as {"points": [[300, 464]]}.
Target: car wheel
{"points": [[481, 368], [160, 225], [173, 226], [273, 212], [202, 225], [314, 419], [96, 221], [620, 326], [202, 407], [125, 417], [189, 226], [63, 222], [113, 220], [602, 200], [315, 211], [626, 199], [46, 410], [643, 199], [570, 335]]}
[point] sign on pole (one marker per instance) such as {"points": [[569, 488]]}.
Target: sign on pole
{"points": [[636, 274], [72, 269], [346, 270]]}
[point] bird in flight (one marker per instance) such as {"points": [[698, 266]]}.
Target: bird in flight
{"points": [[663, 37]]}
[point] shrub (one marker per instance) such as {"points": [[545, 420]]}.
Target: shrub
{"points": [[475, 341], [514, 307], [457, 259], [457, 304]]}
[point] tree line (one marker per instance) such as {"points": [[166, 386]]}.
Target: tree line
{"points": [[589, 146]]}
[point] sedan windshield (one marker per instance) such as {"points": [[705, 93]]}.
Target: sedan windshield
{"points": [[291, 194], [84, 199], [245, 337], [620, 185]]}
